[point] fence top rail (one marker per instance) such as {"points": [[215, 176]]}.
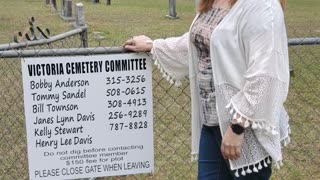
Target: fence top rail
{"points": [[98, 50], [5, 47], [304, 41], [61, 52]]}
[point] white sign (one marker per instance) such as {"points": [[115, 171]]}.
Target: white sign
{"points": [[88, 116]]}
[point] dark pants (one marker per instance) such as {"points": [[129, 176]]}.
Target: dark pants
{"points": [[212, 166]]}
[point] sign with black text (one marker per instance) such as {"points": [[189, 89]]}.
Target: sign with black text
{"points": [[88, 116]]}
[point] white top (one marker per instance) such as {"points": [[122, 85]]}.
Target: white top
{"points": [[249, 56]]}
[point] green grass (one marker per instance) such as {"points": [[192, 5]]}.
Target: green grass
{"points": [[302, 18], [126, 18]]}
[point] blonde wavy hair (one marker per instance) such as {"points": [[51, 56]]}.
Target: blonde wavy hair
{"points": [[205, 5]]}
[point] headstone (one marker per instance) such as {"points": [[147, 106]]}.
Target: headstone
{"points": [[80, 20], [63, 4], [54, 4], [108, 2], [66, 10]]}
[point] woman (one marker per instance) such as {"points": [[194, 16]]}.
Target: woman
{"points": [[236, 56]]}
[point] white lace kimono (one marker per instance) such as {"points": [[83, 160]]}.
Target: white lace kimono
{"points": [[249, 56]]}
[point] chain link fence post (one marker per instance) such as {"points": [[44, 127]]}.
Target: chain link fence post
{"points": [[80, 22], [172, 10]]}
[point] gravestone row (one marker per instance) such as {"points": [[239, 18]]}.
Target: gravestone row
{"points": [[66, 10], [108, 2]]}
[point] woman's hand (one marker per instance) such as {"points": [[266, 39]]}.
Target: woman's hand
{"points": [[231, 145], [139, 44]]}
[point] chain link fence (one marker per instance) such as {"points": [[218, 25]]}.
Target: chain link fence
{"points": [[13, 149], [172, 123]]}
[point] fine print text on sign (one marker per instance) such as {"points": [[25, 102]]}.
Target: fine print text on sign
{"points": [[88, 116]]}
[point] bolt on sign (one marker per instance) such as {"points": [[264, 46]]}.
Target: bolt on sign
{"points": [[89, 116]]}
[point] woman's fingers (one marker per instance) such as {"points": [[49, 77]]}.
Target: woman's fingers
{"points": [[131, 47], [139, 44], [223, 149], [233, 153], [128, 42], [238, 152], [230, 152]]}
